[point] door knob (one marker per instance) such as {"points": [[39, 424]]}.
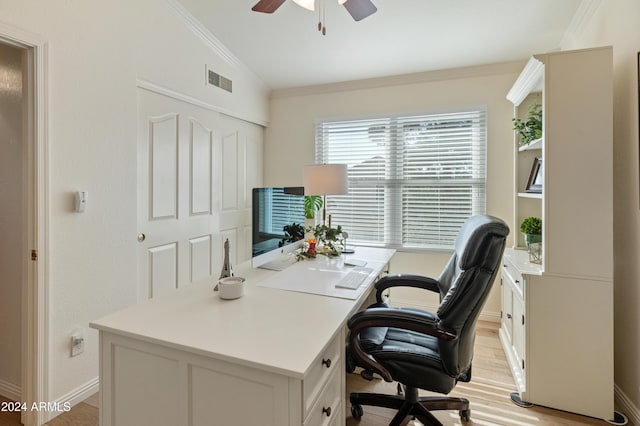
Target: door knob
{"points": [[141, 237]]}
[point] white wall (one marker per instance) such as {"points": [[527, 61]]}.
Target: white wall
{"points": [[616, 23], [289, 142], [97, 51], [11, 214]]}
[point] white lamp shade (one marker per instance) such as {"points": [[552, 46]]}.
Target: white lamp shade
{"points": [[325, 179], [307, 4]]}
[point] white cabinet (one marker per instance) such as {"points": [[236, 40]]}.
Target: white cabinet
{"points": [[557, 317], [150, 384]]}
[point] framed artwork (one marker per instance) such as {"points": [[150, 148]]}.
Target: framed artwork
{"points": [[534, 184]]}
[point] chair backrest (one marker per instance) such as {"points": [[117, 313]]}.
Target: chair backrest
{"points": [[465, 284]]}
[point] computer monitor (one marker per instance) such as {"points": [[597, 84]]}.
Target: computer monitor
{"points": [[273, 209]]}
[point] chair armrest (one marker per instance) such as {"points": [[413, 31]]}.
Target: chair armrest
{"points": [[421, 322], [405, 280]]}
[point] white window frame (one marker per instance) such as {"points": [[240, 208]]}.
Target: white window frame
{"points": [[462, 166]]}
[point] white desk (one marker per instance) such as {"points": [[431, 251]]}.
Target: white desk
{"points": [[190, 358]]}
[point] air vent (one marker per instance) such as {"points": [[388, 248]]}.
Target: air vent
{"points": [[217, 80]]}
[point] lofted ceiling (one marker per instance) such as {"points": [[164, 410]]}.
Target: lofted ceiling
{"points": [[285, 49]]}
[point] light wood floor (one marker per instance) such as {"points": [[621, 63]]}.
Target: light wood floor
{"points": [[488, 393], [83, 414]]}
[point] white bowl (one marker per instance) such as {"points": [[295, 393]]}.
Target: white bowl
{"points": [[231, 287]]}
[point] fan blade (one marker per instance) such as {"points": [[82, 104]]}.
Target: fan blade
{"points": [[360, 9], [267, 6]]}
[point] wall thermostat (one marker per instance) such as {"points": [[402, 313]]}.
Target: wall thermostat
{"points": [[82, 198]]}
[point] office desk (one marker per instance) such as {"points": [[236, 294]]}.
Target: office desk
{"points": [[272, 357]]}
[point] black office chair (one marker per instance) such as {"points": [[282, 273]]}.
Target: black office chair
{"points": [[423, 350]]}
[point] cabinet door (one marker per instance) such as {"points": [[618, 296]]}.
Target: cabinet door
{"points": [[507, 311], [518, 329]]}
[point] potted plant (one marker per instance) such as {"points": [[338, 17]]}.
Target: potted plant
{"points": [[531, 128], [312, 203], [328, 240], [531, 227]]}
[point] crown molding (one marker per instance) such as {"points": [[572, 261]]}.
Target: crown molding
{"points": [[580, 20], [203, 33], [513, 67], [530, 80]]}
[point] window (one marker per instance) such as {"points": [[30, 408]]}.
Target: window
{"points": [[412, 180]]}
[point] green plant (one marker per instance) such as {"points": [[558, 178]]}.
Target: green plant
{"points": [[531, 226], [531, 128], [329, 239], [292, 233], [312, 203]]}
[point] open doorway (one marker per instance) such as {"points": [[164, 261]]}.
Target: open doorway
{"points": [[23, 212], [12, 216]]}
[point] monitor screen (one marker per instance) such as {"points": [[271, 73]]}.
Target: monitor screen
{"points": [[277, 223]]}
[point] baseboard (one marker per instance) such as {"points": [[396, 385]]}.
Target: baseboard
{"points": [[484, 315], [10, 391], [74, 397], [626, 406]]}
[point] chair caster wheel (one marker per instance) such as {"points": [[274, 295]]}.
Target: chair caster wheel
{"points": [[357, 411], [465, 415]]}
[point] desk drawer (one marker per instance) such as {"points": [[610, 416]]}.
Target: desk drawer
{"points": [[513, 274], [328, 362], [328, 407]]}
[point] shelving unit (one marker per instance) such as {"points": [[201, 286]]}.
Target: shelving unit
{"points": [[557, 317], [534, 145]]}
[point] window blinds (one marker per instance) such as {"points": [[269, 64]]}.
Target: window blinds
{"points": [[412, 180]]}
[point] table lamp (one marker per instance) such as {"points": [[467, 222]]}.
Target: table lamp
{"points": [[325, 179]]}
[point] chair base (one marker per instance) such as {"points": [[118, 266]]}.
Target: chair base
{"points": [[410, 406]]}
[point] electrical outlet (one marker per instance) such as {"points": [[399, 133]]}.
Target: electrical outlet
{"points": [[77, 342]]}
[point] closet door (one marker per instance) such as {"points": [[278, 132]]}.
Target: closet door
{"points": [[196, 168], [178, 229]]}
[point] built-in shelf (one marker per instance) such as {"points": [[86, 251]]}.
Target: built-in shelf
{"points": [[535, 144], [557, 306], [536, 195]]}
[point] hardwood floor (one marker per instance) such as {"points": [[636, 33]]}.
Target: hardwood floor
{"points": [[83, 414], [488, 393]]}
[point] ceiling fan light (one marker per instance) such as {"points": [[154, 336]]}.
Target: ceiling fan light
{"points": [[307, 4]]}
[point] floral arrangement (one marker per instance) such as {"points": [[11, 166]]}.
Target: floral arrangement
{"points": [[326, 241]]}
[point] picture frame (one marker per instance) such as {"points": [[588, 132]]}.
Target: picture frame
{"points": [[534, 184]]}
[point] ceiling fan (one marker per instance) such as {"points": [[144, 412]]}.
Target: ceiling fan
{"points": [[358, 9]]}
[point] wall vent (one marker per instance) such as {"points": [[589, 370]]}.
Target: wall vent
{"points": [[215, 79]]}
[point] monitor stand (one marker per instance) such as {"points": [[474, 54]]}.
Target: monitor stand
{"points": [[279, 264]]}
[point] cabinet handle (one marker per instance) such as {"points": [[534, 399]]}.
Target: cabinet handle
{"points": [[326, 362], [517, 281], [327, 411], [509, 316]]}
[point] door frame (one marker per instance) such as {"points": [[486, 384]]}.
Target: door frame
{"points": [[35, 302]]}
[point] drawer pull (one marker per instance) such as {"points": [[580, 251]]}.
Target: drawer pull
{"points": [[517, 281], [509, 316], [327, 411], [326, 362]]}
